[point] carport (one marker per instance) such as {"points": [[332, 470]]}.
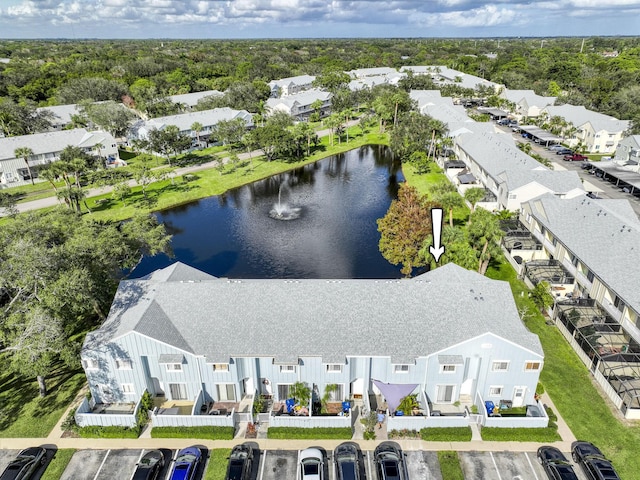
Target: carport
{"points": [[495, 113], [539, 135], [625, 179]]}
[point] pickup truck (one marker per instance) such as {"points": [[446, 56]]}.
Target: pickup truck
{"points": [[576, 157]]}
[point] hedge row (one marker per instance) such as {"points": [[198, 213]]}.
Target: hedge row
{"points": [[94, 431], [446, 434], [540, 435], [338, 433], [208, 433]]}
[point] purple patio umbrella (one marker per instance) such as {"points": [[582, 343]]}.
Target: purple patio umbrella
{"points": [[395, 392]]}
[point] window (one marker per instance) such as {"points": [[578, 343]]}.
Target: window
{"points": [[123, 364], [334, 368], [287, 369], [127, 388], [283, 391], [401, 368], [590, 275], [500, 366], [178, 391], [495, 391], [174, 367], [531, 366], [447, 369], [337, 395], [226, 392], [220, 367], [90, 364]]}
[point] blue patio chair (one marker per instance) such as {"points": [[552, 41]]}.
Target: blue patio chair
{"points": [[290, 403], [346, 407]]}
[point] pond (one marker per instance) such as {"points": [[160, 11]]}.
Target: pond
{"points": [[318, 221]]}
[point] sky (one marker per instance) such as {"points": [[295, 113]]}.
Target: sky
{"points": [[77, 19]]}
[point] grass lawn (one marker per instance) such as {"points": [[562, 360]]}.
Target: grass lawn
{"points": [[58, 464], [570, 385], [450, 466], [24, 414], [217, 467]]}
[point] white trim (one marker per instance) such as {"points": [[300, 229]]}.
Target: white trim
{"points": [[499, 394], [173, 370], [288, 368], [532, 369], [443, 370], [494, 362], [128, 388], [123, 364], [401, 368], [334, 368]]}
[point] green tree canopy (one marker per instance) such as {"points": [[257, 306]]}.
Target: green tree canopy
{"points": [[59, 274], [404, 229]]}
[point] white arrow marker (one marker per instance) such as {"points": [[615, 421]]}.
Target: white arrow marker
{"points": [[436, 221]]}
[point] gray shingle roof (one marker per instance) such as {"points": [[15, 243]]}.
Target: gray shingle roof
{"points": [[191, 99], [500, 158], [604, 234], [529, 96], [402, 319], [50, 142], [579, 115]]}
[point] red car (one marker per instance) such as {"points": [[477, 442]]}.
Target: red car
{"points": [[576, 157]]}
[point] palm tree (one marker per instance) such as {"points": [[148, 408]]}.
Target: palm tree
{"points": [[197, 127], [449, 201], [25, 153], [99, 146], [473, 196], [484, 233]]}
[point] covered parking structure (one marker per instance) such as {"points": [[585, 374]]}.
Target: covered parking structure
{"points": [[494, 113], [539, 135], [622, 178]]}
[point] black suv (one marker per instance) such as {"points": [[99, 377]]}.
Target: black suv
{"points": [[389, 461], [25, 464], [555, 464], [240, 462], [592, 461], [346, 458]]}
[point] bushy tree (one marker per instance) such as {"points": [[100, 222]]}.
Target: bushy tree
{"points": [[23, 119], [59, 273], [404, 229], [95, 89]]}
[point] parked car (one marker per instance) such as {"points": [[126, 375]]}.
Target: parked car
{"points": [[149, 466], [240, 462], [564, 151], [555, 464], [311, 464], [25, 464], [576, 157], [594, 464], [555, 147], [186, 464], [389, 462], [346, 457]]}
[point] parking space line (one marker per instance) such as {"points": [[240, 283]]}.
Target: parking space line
{"points": [[332, 466], [264, 460], [495, 465], [137, 462], [369, 463], [173, 459], [298, 466], [102, 464], [531, 465]]}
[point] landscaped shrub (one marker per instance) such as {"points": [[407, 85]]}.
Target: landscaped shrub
{"points": [[446, 434], [404, 433], [542, 435], [209, 433], [94, 431], [338, 433]]}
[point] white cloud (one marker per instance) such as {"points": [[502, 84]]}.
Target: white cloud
{"points": [[497, 17]]}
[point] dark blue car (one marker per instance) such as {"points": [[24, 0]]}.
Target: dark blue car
{"points": [[186, 464]]}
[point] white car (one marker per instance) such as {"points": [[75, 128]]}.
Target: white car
{"points": [[311, 464]]}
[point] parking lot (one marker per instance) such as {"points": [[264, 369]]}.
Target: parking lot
{"points": [[282, 465]]}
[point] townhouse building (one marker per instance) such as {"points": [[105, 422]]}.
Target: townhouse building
{"points": [[301, 105], [183, 335], [586, 250], [594, 131], [291, 85], [184, 121], [46, 148]]}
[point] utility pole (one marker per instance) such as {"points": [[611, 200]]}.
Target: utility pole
{"points": [[582, 46]]}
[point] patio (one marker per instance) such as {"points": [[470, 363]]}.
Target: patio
{"points": [[550, 271], [114, 408], [172, 407], [517, 237]]}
